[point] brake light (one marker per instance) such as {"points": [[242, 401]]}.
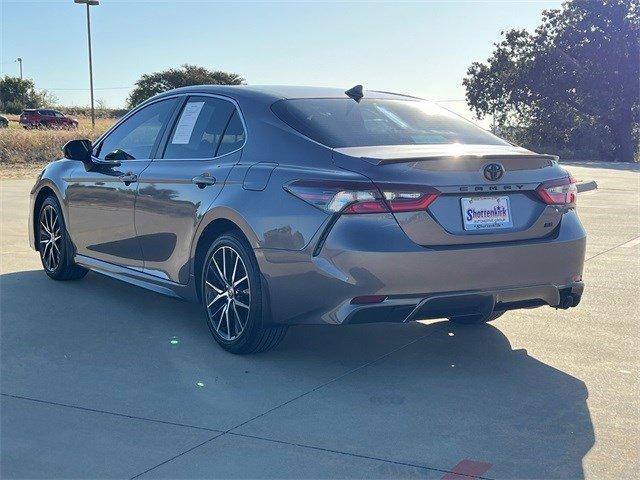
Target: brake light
{"points": [[408, 198], [361, 197], [336, 196], [559, 192]]}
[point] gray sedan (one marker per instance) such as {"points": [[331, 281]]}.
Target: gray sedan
{"points": [[274, 206]]}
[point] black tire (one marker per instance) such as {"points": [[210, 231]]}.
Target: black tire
{"points": [[50, 220], [237, 329], [475, 319]]}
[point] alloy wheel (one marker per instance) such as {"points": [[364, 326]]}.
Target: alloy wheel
{"points": [[50, 238], [227, 293]]}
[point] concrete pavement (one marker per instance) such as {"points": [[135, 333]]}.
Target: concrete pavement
{"points": [[101, 379]]}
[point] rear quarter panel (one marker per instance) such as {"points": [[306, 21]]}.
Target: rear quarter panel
{"points": [[269, 216]]}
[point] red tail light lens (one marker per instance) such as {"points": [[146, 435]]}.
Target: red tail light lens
{"points": [[336, 196], [408, 198], [559, 192], [361, 197]]}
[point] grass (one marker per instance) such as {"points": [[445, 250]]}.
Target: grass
{"points": [[23, 153]]}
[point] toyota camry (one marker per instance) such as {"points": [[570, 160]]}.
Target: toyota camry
{"points": [[275, 206]]}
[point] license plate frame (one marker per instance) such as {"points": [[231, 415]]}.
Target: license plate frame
{"points": [[483, 213]]}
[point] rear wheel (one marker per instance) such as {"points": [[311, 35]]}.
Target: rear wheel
{"points": [[54, 244], [232, 298], [475, 319]]}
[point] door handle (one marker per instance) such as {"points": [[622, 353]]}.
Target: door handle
{"points": [[203, 180], [128, 178]]}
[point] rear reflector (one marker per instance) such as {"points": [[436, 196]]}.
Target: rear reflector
{"points": [[367, 299], [559, 192]]}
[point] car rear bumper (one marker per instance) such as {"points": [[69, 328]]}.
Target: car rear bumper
{"points": [[451, 304], [370, 255]]}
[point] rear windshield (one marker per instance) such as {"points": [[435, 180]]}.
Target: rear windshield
{"points": [[342, 122]]}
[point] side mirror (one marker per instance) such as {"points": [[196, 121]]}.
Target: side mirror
{"points": [[78, 150]]}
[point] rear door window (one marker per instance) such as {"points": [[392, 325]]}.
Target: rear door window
{"points": [[199, 128]]}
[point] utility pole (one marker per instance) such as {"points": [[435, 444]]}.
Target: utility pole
{"points": [[19, 60], [89, 3]]}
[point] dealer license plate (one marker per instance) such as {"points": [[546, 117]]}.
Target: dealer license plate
{"points": [[486, 213]]}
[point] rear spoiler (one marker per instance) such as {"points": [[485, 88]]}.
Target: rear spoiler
{"points": [[491, 157]]}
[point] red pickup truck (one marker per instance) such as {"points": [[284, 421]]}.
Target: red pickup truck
{"points": [[42, 118]]}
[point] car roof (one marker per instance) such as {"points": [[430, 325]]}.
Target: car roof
{"points": [[273, 93]]}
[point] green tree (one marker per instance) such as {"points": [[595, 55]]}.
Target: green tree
{"points": [[153, 83], [572, 85], [16, 94]]}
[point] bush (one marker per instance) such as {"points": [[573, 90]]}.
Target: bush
{"points": [[11, 107], [17, 94]]}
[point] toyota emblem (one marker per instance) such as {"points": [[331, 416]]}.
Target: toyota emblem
{"points": [[493, 171]]}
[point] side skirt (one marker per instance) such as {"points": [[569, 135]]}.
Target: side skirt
{"points": [[140, 279]]}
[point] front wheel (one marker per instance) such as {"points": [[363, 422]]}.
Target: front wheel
{"points": [[232, 298], [475, 319], [54, 244]]}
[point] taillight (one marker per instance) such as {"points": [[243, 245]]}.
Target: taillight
{"points": [[408, 198], [559, 192], [360, 197], [337, 196]]}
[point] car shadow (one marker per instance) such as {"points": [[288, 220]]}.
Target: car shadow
{"points": [[461, 392], [446, 392]]}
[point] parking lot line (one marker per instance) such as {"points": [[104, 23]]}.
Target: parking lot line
{"points": [[95, 410], [631, 243], [627, 244]]}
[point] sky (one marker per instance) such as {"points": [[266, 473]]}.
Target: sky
{"points": [[418, 48]]}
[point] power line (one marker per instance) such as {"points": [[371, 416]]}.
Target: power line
{"points": [[86, 89]]}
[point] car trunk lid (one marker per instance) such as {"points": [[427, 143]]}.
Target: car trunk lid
{"points": [[499, 205]]}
